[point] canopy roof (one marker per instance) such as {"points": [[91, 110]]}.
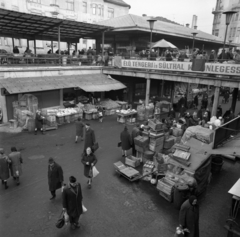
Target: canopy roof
{"points": [[28, 26], [164, 44], [88, 82], [132, 22]]}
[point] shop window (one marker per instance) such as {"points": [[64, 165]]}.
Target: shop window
{"points": [[110, 12], [70, 5], [6, 42], [140, 90], [84, 7], [94, 9], [17, 42], [84, 41], [39, 43]]}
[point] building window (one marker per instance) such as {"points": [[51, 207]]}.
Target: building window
{"points": [[230, 34], [54, 2], [6, 41], [17, 42], [216, 33], [84, 7], [236, 17], [100, 10], [234, 32], [70, 5], [94, 9], [110, 12]]}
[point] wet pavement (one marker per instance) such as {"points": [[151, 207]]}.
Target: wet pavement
{"points": [[116, 207]]}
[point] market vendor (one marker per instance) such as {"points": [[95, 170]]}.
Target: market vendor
{"points": [[39, 122]]}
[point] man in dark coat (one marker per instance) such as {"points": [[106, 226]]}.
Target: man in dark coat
{"points": [[135, 132], [38, 122], [89, 137], [4, 168], [55, 177], [219, 111], [126, 140], [79, 129], [189, 217], [72, 201]]}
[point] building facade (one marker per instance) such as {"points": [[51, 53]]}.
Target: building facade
{"points": [[219, 22], [90, 11]]}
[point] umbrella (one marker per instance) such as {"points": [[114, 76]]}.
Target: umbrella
{"points": [[164, 44]]}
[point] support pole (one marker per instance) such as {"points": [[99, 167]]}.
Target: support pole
{"points": [[215, 103], [52, 46], [61, 98], [59, 39], [103, 39], [28, 43], [162, 89], [68, 48], [147, 91], [13, 43], [76, 48], [35, 48], [234, 99], [3, 104]]}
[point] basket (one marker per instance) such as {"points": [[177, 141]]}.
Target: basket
{"points": [[67, 118], [60, 120]]}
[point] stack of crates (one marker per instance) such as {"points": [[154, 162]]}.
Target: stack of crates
{"points": [[166, 188]]}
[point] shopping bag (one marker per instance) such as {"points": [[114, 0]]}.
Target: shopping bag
{"points": [[17, 173], [84, 208], [95, 146], [119, 144], [95, 172], [61, 221], [100, 114]]}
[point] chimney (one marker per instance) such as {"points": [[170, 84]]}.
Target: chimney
{"points": [[144, 15], [195, 27], [194, 21], [187, 25]]}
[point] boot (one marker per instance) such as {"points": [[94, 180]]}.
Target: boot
{"points": [[5, 183], [35, 132], [42, 131], [2, 181], [18, 183]]}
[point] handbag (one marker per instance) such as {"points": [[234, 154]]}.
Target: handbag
{"points": [[119, 144], [95, 146], [95, 172], [84, 208], [61, 221]]}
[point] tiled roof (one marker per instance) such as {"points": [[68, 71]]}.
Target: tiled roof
{"points": [[118, 2], [132, 21]]}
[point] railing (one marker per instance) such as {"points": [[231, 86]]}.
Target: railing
{"points": [[224, 132]]}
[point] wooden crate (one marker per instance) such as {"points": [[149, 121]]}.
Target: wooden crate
{"points": [[60, 120], [88, 116], [132, 161], [140, 155], [155, 125], [168, 197]]}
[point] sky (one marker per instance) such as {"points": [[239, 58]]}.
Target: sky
{"points": [[180, 11]]}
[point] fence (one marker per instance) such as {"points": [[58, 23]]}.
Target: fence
{"points": [[224, 132]]}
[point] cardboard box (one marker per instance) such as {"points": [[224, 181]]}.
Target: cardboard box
{"points": [[168, 143], [132, 161], [141, 141], [155, 124], [119, 165]]}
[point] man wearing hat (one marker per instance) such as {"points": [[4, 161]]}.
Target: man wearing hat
{"points": [[55, 177], [39, 122], [4, 168], [72, 201], [89, 137]]}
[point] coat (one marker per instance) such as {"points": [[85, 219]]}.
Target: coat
{"points": [[91, 159], [16, 160], [79, 128], [72, 200], [38, 121], [189, 218], [89, 138], [4, 167], [126, 140], [55, 177]]}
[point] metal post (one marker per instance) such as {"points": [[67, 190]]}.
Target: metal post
{"points": [[35, 48], [215, 102], [76, 48], [68, 48], [59, 46], [52, 46], [28, 43], [193, 43], [150, 45], [162, 89], [224, 42], [13, 43], [103, 39], [147, 91]]}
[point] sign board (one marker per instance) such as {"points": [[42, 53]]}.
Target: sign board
{"points": [[215, 68]]}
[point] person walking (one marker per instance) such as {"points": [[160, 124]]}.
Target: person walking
{"points": [[126, 141], [72, 202], [55, 177], [195, 101], [79, 129], [189, 217], [38, 122], [89, 137], [89, 160], [135, 132], [15, 158], [4, 168], [100, 114]]}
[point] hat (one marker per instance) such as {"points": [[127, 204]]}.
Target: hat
{"points": [[72, 179], [50, 160]]}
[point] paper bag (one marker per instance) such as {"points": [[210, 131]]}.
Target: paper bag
{"points": [[95, 172]]}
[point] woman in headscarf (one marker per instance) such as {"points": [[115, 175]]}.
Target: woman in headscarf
{"points": [[126, 141], [189, 217]]}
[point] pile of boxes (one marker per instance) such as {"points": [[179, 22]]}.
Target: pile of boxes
{"points": [[166, 188]]}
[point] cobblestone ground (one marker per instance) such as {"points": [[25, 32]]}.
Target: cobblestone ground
{"points": [[116, 207]]}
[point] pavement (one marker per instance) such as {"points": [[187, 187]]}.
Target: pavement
{"points": [[116, 207]]}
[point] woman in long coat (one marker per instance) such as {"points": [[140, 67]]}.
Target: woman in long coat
{"points": [[55, 177], [126, 141], [16, 164], [89, 137], [89, 160], [189, 217], [4, 168], [79, 129]]}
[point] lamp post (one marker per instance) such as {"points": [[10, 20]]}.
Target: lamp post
{"points": [[151, 23], [229, 15], [194, 36]]}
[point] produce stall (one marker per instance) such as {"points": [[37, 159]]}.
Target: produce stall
{"points": [[109, 106], [145, 112], [126, 116]]}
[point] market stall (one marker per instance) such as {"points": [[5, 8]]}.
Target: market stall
{"points": [[126, 116]]}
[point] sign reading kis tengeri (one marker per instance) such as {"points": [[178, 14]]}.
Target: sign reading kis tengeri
{"points": [[216, 68]]}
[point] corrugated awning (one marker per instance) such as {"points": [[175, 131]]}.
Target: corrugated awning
{"points": [[88, 82]]}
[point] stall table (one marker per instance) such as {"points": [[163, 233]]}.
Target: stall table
{"points": [[124, 118]]}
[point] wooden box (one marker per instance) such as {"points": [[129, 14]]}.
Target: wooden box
{"points": [[155, 124], [132, 161], [168, 197], [168, 143], [141, 141], [119, 165], [88, 116]]}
